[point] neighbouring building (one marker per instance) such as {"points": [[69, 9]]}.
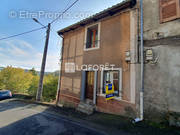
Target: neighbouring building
{"points": [[111, 40], [162, 75]]}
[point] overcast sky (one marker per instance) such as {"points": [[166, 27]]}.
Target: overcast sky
{"points": [[16, 17]]}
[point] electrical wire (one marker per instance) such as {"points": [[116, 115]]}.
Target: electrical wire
{"points": [[67, 4], [22, 33], [42, 24], [64, 11]]}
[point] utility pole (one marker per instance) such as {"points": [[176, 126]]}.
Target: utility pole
{"points": [[40, 87]]}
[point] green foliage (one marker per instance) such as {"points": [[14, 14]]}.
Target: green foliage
{"points": [[33, 86], [19, 81], [33, 71], [15, 79], [50, 87]]}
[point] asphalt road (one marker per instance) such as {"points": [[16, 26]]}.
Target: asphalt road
{"points": [[18, 118]]}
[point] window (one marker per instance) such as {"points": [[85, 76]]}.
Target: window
{"points": [[114, 77], [169, 10], [92, 37]]}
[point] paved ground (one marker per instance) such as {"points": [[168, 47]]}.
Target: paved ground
{"points": [[17, 118], [23, 118]]}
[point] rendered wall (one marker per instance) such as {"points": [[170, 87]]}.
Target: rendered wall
{"points": [[115, 40], [72, 53], [162, 89], [152, 25]]}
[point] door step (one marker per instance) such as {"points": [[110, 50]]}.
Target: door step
{"points": [[89, 102], [86, 108]]}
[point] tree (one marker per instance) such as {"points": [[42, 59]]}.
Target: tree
{"points": [[50, 87], [19, 81], [32, 90], [33, 71], [15, 79]]}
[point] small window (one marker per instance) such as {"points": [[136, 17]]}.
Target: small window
{"points": [[112, 77], [169, 10], [92, 37]]}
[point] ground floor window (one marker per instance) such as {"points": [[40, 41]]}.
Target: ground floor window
{"points": [[113, 77]]}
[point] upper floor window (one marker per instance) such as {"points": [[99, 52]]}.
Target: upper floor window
{"points": [[169, 10], [92, 37]]}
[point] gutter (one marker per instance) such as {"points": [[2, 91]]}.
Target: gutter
{"points": [[141, 116], [60, 73]]}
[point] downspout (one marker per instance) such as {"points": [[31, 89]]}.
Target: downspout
{"points": [[142, 69], [60, 72]]}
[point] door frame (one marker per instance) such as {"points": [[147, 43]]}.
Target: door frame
{"points": [[83, 85]]}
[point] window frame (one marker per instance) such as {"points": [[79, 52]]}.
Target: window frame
{"points": [[170, 18], [98, 43], [120, 82]]}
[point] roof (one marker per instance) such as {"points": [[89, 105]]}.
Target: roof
{"points": [[107, 12]]}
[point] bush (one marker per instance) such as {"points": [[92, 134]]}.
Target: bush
{"points": [[50, 87], [32, 90], [15, 79]]}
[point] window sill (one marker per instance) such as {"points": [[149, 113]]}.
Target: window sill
{"points": [[89, 49], [116, 98], [103, 95]]}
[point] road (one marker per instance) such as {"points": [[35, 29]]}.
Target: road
{"points": [[18, 118]]}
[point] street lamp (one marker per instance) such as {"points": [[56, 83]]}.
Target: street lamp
{"points": [[38, 22]]}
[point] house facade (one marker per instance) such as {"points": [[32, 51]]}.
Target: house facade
{"points": [[111, 40], [101, 44]]}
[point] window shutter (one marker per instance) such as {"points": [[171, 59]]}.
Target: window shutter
{"points": [[169, 10]]}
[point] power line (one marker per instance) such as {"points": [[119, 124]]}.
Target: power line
{"points": [[65, 11], [22, 33], [42, 24], [67, 4]]}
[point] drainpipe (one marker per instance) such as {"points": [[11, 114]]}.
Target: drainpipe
{"points": [[142, 69], [60, 72]]}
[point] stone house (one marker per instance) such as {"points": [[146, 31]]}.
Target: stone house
{"points": [[105, 38], [112, 37]]}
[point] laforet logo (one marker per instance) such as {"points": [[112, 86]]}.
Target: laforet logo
{"points": [[73, 67]]}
